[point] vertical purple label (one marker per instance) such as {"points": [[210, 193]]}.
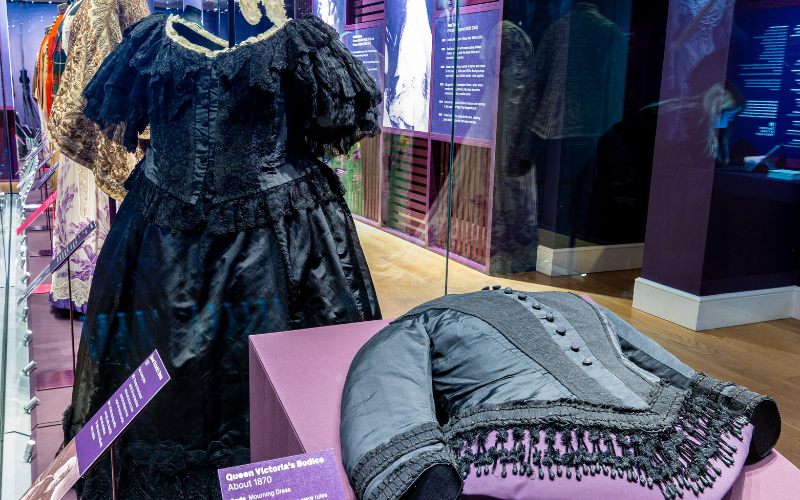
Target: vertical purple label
{"points": [[475, 77], [312, 476], [120, 411]]}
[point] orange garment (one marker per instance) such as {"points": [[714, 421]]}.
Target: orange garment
{"points": [[42, 79], [51, 45]]}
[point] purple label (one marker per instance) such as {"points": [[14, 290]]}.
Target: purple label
{"points": [[40, 165], [475, 76], [58, 260], [33, 284], [120, 411], [46, 176], [73, 245], [312, 476]]}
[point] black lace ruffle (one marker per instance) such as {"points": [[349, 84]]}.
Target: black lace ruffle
{"points": [[301, 76], [163, 471], [338, 86], [259, 209]]}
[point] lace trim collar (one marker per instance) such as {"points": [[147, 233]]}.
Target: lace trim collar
{"points": [[175, 37]]}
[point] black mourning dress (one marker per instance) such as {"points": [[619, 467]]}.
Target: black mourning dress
{"points": [[231, 227]]}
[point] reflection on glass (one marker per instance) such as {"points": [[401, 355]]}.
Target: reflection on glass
{"points": [[726, 150], [515, 229]]}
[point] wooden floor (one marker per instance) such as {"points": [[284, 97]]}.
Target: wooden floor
{"points": [[764, 357]]}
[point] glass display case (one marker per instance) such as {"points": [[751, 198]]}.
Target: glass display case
{"points": [[210, 177]]}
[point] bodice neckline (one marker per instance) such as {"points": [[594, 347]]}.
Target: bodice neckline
{"points": [[173, 35]]}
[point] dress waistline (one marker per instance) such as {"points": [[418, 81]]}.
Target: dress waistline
{"points": [[290, 171]]}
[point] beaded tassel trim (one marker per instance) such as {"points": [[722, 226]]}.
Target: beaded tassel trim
{"points": [[675, 460]]}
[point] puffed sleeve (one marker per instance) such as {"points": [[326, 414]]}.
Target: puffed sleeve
{"points": [[340, 97], [116, 96], [389, 433]]}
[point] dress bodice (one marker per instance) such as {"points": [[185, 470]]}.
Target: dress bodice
{"points": [[234, 131]]}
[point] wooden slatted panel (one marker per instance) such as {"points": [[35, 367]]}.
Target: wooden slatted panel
{"points": [[364, 11], [407, 185], [371, 169], [360, 180], [470, 201]]}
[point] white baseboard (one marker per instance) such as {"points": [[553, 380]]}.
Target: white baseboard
{"points": [[715, 311], [589, 259]]}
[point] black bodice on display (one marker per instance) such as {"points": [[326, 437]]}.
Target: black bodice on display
{"points": [[232, 129]]}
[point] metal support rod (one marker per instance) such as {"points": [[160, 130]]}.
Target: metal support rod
{"points": [[231, 23], [71, 319], [48, 224], [452, 150], [113, 450]]}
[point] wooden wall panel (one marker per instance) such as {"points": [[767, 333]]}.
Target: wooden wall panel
{"points": [[470, 201], [364, 11], [407, 185], [371, 168]]}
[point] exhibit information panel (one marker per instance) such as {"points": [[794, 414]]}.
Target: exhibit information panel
{"points": [[120, 411], [367, 45], [45, 177], [100, 432], [311, 476], [764, 63], [475, 78]]}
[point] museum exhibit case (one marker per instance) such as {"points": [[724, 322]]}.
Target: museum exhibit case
{"points": [[400, 249]]}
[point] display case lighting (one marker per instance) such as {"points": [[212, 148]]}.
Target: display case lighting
{"points": [[27, 455], [27, 407], [29, 368]]}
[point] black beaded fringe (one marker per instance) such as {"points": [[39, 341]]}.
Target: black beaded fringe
{"points": [[667, 459]]}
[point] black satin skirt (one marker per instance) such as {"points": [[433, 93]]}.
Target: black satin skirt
{"points": [[196, 297]]}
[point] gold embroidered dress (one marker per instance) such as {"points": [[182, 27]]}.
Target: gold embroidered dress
{"points": [[94, 33], [80, 199]]}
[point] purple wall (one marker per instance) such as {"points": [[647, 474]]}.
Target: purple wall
{"points": [[683, 176], [711, 232]]}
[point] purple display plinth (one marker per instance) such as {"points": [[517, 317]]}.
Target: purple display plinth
{"points": [[475, 75], [367, 45], [295, 396], [295, 393], [120, 411], [771, 478], [311, 476]]}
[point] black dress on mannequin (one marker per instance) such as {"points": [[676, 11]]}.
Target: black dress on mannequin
{"points": [[231, 227]]}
